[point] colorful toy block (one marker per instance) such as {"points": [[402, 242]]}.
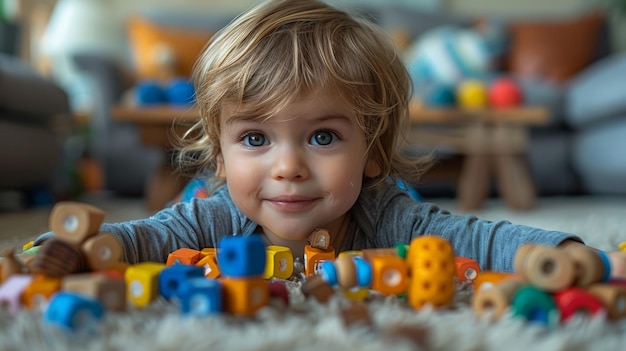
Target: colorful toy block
{"points": [[9, 264], [590, 267], [279, 262], [209, 251], [109, 291], [172, 277], [346, 271], [184, 256], [486, 279], [549, 269], [319, 239], [467, 269], [209, 265], [74, 221], [242, 256], [390, 274], [142, 282], [313, 257], [244, 296], [364, 271], [535, 305], [315, 286], [199, 296], [39, 291], [58, 257], [432, 270], [278, 290], [494, 300], [11, 292], [574, 300], [613, 298], [103, 251], [328, 272], [72, 311]]}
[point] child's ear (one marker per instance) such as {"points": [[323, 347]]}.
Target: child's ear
{"points": [[220, 172], [372, 168]]}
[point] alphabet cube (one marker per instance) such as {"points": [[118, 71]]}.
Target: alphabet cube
{"points": [[244, 296], [183, 256], [38, 292], [390, 275], [313, 257], [109, 291], [200, 296], [172, 277], [279, 263], [142, 282], [209, 265], [74, 221], [72, 311], [242, 256]]}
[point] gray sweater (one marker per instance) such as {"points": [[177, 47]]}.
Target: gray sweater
{"points": [[380, 219]]}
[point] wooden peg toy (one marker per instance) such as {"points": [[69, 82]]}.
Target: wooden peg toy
{"points": [[244, 296], [589, 265], [390, 274], [58, 257], [199, 296], [11, 292], [315, 286], [313, 257], [575, 300], [72, 311], [279, 263], [242, 256], [172, 277], [209, 266], [467, 269], [142, 283], [494, 300], [547, 268], [319, 239], [39, 291], [102, 251], [613, 297], [109, 291], [184, 256], [74, 221]]}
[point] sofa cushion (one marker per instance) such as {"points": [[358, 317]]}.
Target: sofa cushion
{"points": [[598, 93]]}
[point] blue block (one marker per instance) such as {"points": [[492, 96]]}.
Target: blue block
{"points": [[149, 92], [72, 311], [241, 256], [364, 272], [328, 272], [180, 91], [173, 276], [200, 296]]}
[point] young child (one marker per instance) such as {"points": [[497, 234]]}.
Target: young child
{"points": [[303, 110]]}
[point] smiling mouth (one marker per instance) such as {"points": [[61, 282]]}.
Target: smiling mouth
{"points": [[292, 204]]}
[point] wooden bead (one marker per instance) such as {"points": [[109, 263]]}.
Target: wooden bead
{"points": [[315, 286], [589, 267], [494, 300], [535, 305], [548, 268], [574, 300], [319, 239], [58, 257], [103, 251], [346, 272], [74, 221], [519, 261], [612, 296]]}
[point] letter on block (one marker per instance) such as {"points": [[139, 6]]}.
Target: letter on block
{"points": [[200, 296], [74, 221], [466, 269], [279, 262], [244, 296], [208, 263], [173, 276], [390, 275], [103, 251], [38, 293], [142, 282], [109, 291], [184, 256], [72, 311], [242, 256], [313, 257]]}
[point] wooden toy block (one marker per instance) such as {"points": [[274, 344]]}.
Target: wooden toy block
{"points": [[208, 251], [369, 253], [356, 314], [38, 292], [58, 257], [209, 265], [278, 291], [279, 262], [103, 251], [432, 271], [319, 239], [494, 300], [535, 305], [313, 257], [547, 268], [402, 250], [74, 221], [9, 264], [172, 277], [467, 269], [589, 266], [346, 271], [314, 286], [390, 274], [109, 291], [244, 296], [11, 292], [242, 256], [199, 296], [575, 300], [142, 282], [72, 311], [184, 256], [613, 298], [486, 279]]}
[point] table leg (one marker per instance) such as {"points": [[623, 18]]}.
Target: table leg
{"points": [[514, 180], [474, 181]]}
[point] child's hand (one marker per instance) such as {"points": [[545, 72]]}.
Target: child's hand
{"points": [[618, 264]]}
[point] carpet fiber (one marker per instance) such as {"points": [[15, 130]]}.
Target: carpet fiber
{"points": [[308, 325]]}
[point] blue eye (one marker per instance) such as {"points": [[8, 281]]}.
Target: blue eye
{"points": [[254, 140], [323, 138]]}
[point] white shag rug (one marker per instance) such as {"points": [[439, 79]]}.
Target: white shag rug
{"points": [[308, 325]]}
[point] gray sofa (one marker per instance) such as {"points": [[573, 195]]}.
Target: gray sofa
{"points": [[34, 113], [577, 152]]}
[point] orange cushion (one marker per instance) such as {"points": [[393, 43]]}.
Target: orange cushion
{"points": [[146, 37], [554, 50]]}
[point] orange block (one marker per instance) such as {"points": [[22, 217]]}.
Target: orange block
{"points": [[489, 279], [38, 293], [210, 266], [466, 269], [313, 256], [208, 251], [244, 296], [184, 256], [390, 276]]}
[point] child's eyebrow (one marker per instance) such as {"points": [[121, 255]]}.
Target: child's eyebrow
{"points": [[242, 118]]}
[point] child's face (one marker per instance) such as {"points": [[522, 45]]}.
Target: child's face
{"points": [[299, 170]]}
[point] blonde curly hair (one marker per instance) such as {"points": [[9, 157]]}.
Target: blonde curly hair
{"points": [[278, 51]]}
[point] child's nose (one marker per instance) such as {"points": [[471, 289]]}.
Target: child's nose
{"points": [[290, 164]]}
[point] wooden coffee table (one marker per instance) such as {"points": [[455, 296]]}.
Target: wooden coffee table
{"points": [[493, 142]]}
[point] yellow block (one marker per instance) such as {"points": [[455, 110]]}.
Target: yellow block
{"points": [[142, 282], [279, 263]]}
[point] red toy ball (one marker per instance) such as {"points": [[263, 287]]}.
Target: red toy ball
{"points": [[504, 92]]}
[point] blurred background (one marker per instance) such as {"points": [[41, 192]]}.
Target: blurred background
{"points": [[66, 64]]}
